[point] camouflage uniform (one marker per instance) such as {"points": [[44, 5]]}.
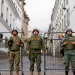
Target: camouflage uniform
{"points": [[14, 54], [69, 53], [35, 44]]}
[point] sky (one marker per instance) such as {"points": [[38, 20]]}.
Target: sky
{"points": [[39, 12]]}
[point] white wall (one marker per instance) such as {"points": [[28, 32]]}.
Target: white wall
{"points": [[4, 29], [72, 15], [19, 10], [10, 11]]}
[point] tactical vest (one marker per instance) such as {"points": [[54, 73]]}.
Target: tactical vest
{"points": [[69, 46], [14, 45], [35, 42]]}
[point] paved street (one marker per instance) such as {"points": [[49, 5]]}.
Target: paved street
{"points": [[54, 65]]}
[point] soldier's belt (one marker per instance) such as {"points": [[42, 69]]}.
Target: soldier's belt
{"points": [[35, 51], [70, 49], [14, 50]]}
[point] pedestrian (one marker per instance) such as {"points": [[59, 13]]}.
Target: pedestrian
{"points": [[14, 44], [34, 45], [62, 51], [69, 51]]}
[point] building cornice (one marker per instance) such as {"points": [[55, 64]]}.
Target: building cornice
{"points": [[4, 23], [12, 6]]}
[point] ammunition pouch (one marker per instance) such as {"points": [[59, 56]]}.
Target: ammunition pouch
{"points": [[10, 43]]}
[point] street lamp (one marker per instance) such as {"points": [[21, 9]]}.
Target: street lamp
{"points": [[45, 38], [22, 3]]}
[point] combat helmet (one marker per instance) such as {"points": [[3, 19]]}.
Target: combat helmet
{"points": [[69, 29], [35, 29], [15, 31]]}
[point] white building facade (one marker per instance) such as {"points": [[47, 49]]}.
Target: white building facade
{"points": [[9, 15], [10, 18], [62, 18]]}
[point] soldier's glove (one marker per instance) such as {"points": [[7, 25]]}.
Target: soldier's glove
{"points": [[8, 53], [10, 42]]}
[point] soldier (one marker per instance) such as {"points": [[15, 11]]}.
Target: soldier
{"points": [[35, 44], [14, 44], [69, 51]]}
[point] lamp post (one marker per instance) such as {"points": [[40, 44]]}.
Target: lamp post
{"points": [[22, 4], [45, 38], [22, 21], [53, 41]]}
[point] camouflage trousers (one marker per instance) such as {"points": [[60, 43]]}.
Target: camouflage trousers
{"points": [[69, 58], [35, 57], [14, 58]]}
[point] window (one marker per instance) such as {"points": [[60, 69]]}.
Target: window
{"points": [[7, 15], [62, 9], [60, 2], [10, 25], [10, 19], [13, 23], [60, 14], [2, 8], [64, 21], [26, 22], [1, 37], [68, 16], [16, 7], [60, 27], [62, 24], [66, 2]]}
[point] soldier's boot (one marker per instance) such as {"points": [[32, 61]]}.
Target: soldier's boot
{"points": [[73, 72], [39, 73], [66, 72], [11, 73], [17, 73], [31, 73]]}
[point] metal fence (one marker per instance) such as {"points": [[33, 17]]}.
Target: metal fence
{"points": [[53, 60], [4, 59]]}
